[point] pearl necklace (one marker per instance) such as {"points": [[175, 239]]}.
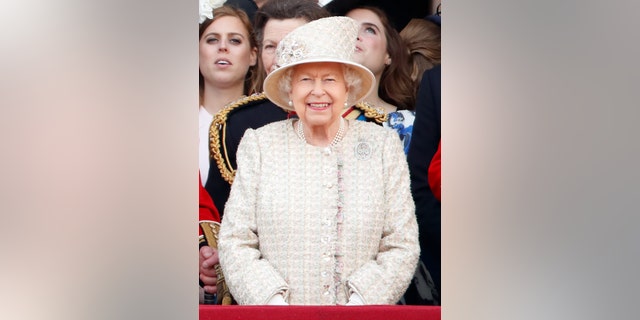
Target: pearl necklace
{"points": [[335, 140]]}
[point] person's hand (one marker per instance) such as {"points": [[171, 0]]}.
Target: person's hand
{"points": [[208, 259]]}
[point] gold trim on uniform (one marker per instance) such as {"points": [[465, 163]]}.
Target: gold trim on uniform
{"points": [[218, 124], [377, 114], [210, 229]]}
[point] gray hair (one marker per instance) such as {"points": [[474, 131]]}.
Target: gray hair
{"points": [[354, 83]]}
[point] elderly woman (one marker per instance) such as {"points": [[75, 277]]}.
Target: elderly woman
{"points": [[320, 212]]}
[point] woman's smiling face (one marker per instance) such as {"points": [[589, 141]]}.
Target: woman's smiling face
{"points": [[318, 92]]}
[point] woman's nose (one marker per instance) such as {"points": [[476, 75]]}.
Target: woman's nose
{"points": [[222, 46], [318, 88]]}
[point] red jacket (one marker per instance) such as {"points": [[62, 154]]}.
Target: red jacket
{"points": [[208, 211], [434, 174]]}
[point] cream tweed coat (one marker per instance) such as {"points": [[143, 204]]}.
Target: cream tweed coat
{"points": [[317, 224]]}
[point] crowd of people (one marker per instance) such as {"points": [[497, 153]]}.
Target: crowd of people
{"points": [[319, 154]]}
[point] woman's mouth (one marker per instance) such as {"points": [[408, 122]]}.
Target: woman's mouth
{"points": [[318, 106]]}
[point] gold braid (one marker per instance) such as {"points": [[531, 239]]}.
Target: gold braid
{"points": [[370, 112], [218, 124], [210, 230]]}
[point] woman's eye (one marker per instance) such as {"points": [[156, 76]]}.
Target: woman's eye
{"points": [[236, 41], [268, 47], [212, 40], [370, 30], [330, 79]]}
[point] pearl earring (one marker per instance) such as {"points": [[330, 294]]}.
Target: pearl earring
{"points": [[290, 103], [346, 104]]}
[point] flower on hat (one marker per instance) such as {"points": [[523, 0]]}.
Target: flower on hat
{"points": [[207, 7]]}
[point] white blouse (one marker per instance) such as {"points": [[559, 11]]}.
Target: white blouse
{"points": [[204, 119]]}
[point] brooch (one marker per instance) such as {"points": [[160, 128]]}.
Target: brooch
{"points": [[363, 150]]}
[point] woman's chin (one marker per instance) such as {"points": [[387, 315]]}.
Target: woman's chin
{"points": [[323, 119]]}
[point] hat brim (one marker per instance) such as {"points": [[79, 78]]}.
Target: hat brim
{"points": [[272, 81]]}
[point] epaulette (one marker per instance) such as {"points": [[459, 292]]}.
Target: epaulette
{"points": [[217, 145], [377, 114]]}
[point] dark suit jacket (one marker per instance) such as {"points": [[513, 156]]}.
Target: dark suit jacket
{"points": [[424, 143], [253, 115]]}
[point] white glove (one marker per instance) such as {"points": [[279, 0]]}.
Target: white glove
{"points": [[277, 300], [355, 300]]}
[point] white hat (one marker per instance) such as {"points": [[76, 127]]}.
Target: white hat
{"points": [[331, 39]]}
